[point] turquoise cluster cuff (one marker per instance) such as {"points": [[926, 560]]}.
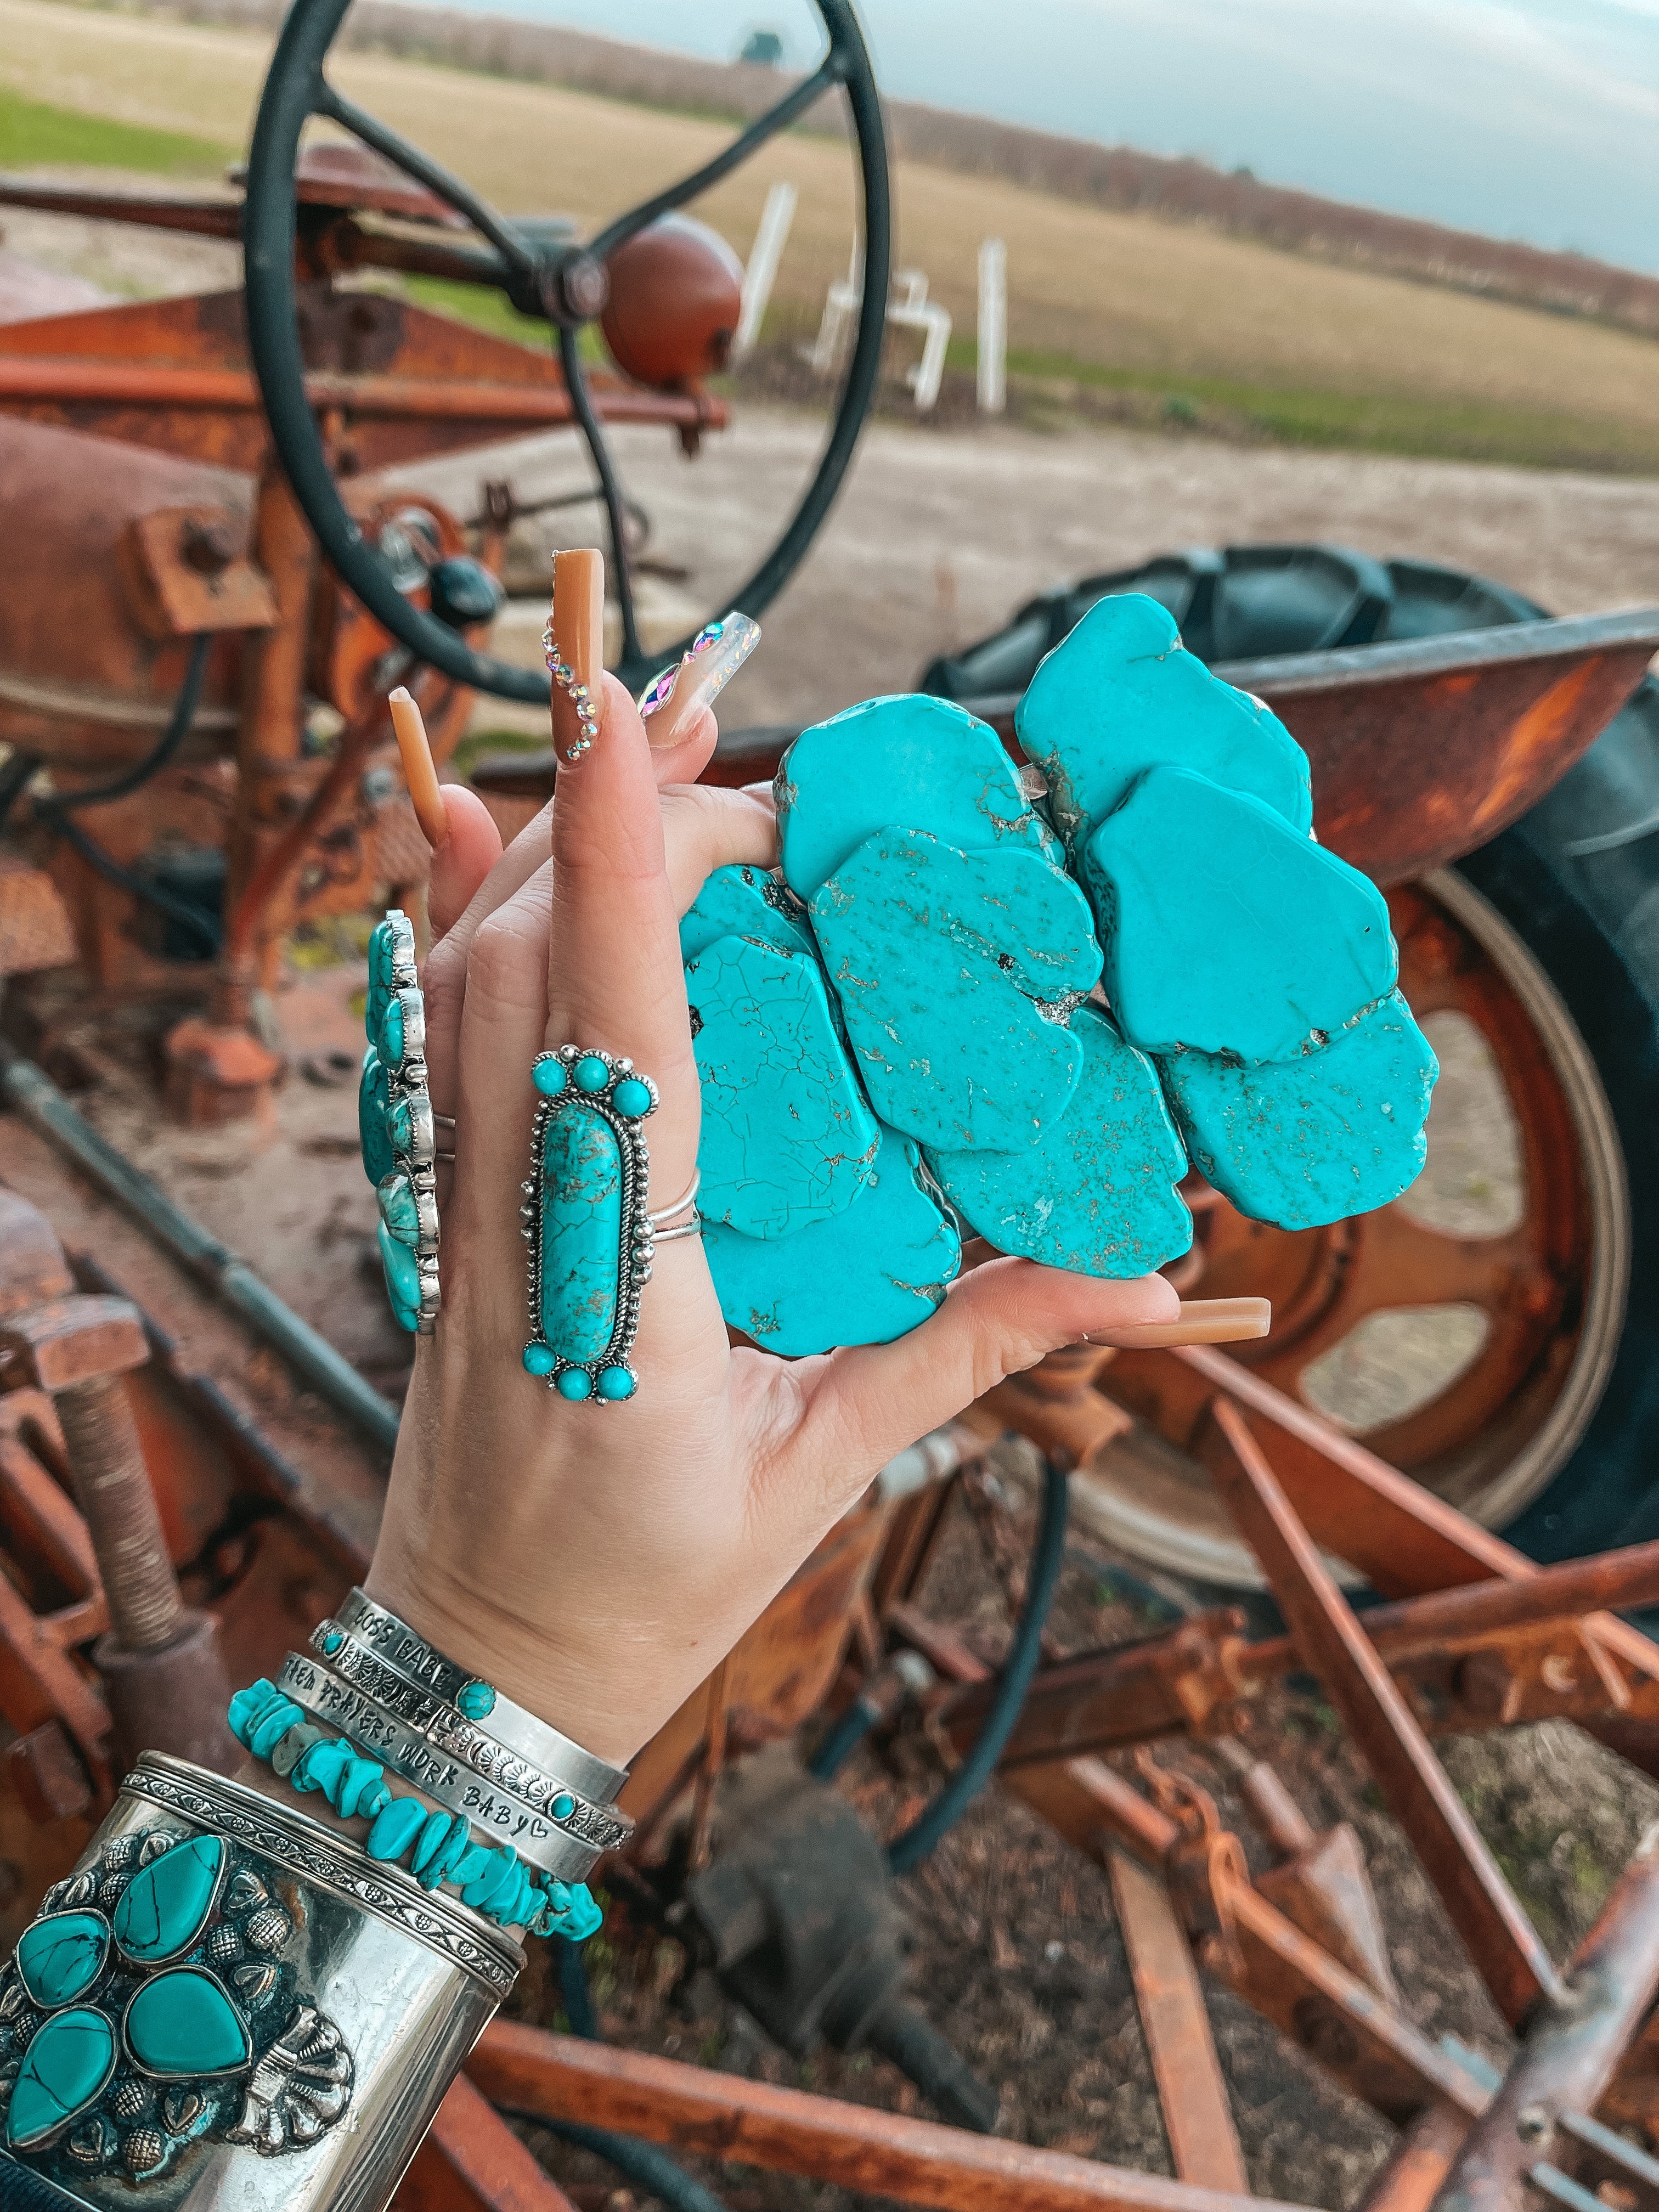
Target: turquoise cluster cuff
{"points": [[395, 1125], [586, 1221]]}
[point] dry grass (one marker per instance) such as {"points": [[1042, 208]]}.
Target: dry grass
{"points": [[1302, 348]]}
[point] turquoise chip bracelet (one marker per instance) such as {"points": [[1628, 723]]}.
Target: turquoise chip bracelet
{"points": [[439, 1847]]}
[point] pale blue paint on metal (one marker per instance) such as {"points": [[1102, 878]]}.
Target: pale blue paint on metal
{"points": [[864, 1276], [581, 1231], [743, 902], [788, 1138], [1226, 930], [1097, 1195], [1301, 1142], [1121, 694]]}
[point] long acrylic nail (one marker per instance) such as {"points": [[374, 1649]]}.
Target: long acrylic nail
{"points": [[1203, 1321], [575, 641], [419, 773], [671, 702]]}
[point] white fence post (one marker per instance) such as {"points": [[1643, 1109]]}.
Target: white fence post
{"points": [[993, 377], [760, 273]]}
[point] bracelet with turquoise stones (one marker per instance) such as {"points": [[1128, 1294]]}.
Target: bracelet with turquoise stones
{"points": [[437, 1847], [585, 1221], [395, 1125]]}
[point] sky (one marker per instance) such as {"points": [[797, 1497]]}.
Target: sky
{"points": [[1533, 119]]}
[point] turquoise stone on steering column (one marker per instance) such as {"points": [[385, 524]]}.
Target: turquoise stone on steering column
{"points": [[907, 758], [743, 902], [942, 961], [868, 1275], [379, 1159], [66, 2067], [788, 1138], [1334, 1132], [580, 1232], [181, 2024], [1226, 930], [1097, 1196], [165, 1906], [61, 1956], [1121, 694]]}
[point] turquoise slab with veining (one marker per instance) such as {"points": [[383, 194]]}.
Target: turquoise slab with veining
{"points": [[61, 1955], [181, 2024], [165, 1906], [954, 972], [1121, 694], [67, 2064], [787, 1137], [743, 902], [864, 1276], [580, 1232], [910, 759], [1097, 1195], [1334, 1132], [1224, 929]]}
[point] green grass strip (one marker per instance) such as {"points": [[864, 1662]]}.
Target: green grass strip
{"points": [[34, 134]]}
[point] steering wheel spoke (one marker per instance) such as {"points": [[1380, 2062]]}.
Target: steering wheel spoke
{"points": [[372, 132]]}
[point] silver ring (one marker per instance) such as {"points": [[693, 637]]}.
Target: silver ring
{"points": [[437, 1773], [667, 1212], [692, 1228], [423, 1668]]}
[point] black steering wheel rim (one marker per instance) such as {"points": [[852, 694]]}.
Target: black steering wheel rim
{"points": [[294, 89]]}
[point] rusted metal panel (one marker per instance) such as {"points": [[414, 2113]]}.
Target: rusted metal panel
{"points": [[472, 2161], [788, 2131]]}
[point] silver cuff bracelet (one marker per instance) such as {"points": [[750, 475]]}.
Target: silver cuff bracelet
{"points": [[227, 2002]]}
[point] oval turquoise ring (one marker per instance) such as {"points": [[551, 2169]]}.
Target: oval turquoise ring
{"points": [[585, 1221]]}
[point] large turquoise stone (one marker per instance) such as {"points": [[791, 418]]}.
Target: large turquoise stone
{"points": [[181, 2023], [581, 1231], [1097, 1195], [1121, 694], [1301, 1142], [1226, 930], [391, 1035], [939, 959], [786, 1137], [379, 1159], [60, 1956], [863, 1276], [66, 2067], [742, 902], [395, 1196], [379, 978], [403, 1277], [910, 759], [165, 1906]]}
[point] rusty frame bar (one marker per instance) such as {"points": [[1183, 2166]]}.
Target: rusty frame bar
{"points": [[472, 2161], [787, 2130]]}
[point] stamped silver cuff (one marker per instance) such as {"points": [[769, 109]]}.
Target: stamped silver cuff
{"points": [[426, 1669], [439, 1773]]}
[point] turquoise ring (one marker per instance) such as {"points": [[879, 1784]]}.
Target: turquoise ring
{"points": [[395, 1125], [586, 1223]]}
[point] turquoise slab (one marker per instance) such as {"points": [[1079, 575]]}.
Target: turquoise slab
{"points": [[581, 1231], [395, 1196], [788, 1138], [908, 759], [165, 1906], [937, 958], [865, 1276], [181, 2024], [743, 902], [1226, 930], [1306, 1141], [1121, 694], [379, 1159], [61, 1956], [403, 1279], [67, 2065], [1097, 1195]]}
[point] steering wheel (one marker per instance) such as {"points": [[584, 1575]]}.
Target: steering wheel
{"points": [[567, 285]]}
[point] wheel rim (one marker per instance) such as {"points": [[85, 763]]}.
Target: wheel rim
{"points": [[531, 274], [1550, 1289]]}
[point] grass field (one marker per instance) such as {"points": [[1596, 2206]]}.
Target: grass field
{"points": [[1235, 334]]}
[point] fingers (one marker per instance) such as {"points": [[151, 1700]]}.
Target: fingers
{"points": [[871, 1401], [706, 830], [470, 848], [443, 981]]}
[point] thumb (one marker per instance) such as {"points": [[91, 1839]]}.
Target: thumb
{"points": [[871, 1400]]}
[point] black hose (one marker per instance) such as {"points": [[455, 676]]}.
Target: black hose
{"points": [[844, 1738], [15, 778], [1047, 1555], [641, 2163]]}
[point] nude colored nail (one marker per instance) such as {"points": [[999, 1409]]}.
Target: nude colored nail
{"points": [[575, 632], [419, 773], [672, 703], [1203, 1321]]}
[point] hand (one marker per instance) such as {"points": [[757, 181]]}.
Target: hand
{"points": [[595, 1562]]}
